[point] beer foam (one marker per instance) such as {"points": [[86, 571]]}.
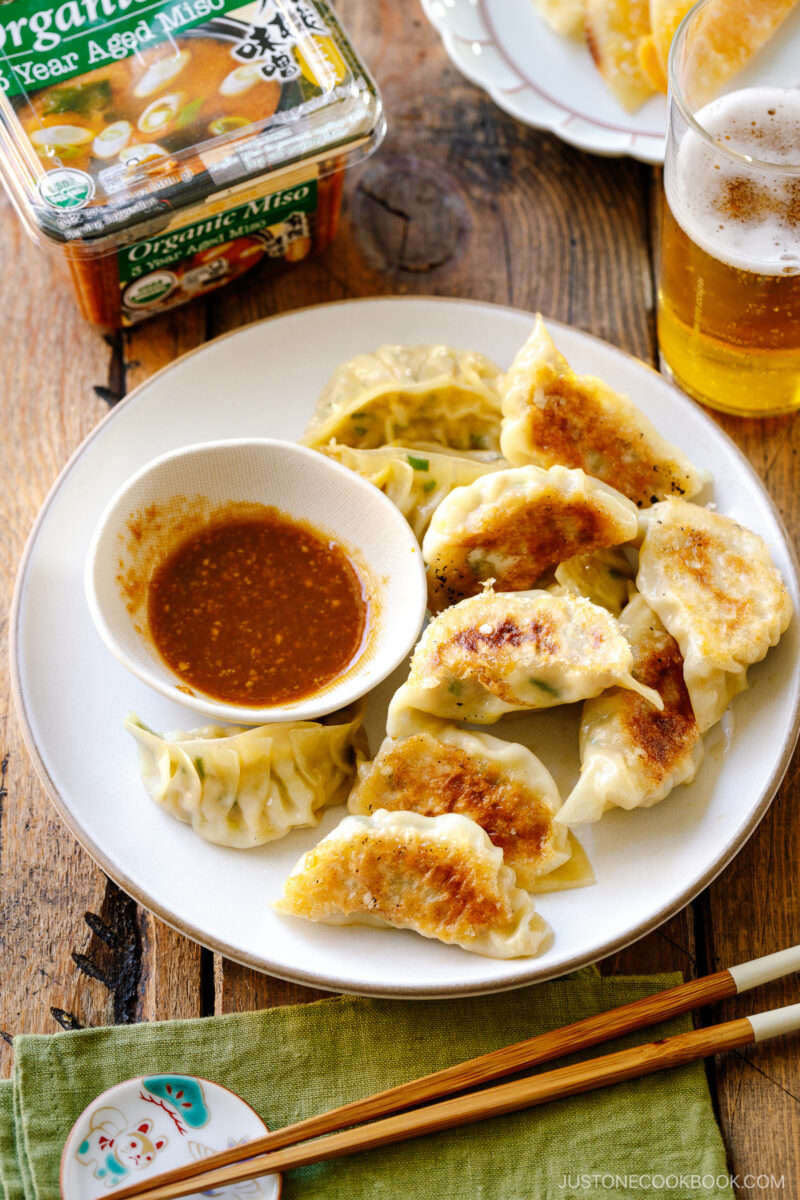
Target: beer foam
{"points": [[745, 216]]}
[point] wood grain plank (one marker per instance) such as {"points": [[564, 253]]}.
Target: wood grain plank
{"points": [[671, 947], [141, 351], [170, 987], [50, 365], [238, 989]]}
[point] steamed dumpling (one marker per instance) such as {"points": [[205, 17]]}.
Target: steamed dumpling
{"points": [[410, 394], [551, 415], [243, 787], [440, 876], [713, 585], [510, 526], [494, 654], [415, 480], [632, 756], [602, 577], [501, 785]]}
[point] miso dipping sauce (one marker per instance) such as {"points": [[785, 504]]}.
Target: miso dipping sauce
{"points": [[258, 610]]}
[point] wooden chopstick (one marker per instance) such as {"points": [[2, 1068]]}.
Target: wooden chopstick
{"points": [[496, 1101], [542, 1048]]}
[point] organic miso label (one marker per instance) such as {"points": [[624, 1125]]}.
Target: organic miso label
{"points": [[42, 44], [178, 264], [174, 245]]}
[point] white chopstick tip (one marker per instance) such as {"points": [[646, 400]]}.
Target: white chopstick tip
{"points": [[763, 970], [775, 1023]]}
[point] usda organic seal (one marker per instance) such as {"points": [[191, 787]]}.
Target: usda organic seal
{"points": [[150, 289], [66, 187]]}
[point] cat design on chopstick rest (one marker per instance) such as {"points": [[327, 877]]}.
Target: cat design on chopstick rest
{"points": [[114, 1149]]}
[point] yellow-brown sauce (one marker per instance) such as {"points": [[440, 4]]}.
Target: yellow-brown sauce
{"points": [[258, 610]]}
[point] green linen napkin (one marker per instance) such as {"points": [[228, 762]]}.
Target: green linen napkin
{"points": [[656, 1135]]}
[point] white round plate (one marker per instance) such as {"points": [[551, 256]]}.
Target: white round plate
{"points": [[154, 1123], [72, 695], [543, 78], [550, 81]]}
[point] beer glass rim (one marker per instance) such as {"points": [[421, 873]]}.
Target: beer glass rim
{"points": [[677, 97]]}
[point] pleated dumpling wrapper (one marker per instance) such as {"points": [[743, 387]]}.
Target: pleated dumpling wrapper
{"points": [[415, 480], [632, 755], [602, 577], [501, 785], [551, 415], [410, 394], [510, 526], [440, 876], [243, 787], [713, 584], [495, 654]]}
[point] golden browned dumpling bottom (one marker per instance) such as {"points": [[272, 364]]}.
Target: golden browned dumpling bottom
{"points": [[439, 876], [428, 776], [713, 584], [509, 526], [528, 539], [551, 415], [632, 755], [661, 739], [448, 898], [573, 429]]}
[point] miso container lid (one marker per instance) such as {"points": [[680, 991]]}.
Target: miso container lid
{"points": [[116, 114]]}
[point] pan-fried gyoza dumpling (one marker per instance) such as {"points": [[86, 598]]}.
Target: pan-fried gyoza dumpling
{"points": [[602, 577], [410, 394], [501, 785], [614, 31], [415, 480], [512, 525], [714, 586], [243, 787], [551, 415], [440, 876], [632, 756], [495, 654], [724, 39]]}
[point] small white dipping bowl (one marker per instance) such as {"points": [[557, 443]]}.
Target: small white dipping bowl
{"points": [[175, 496]]}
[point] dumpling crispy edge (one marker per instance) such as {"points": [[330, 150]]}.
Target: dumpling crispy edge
{"points": [[512, 525], [715, 664], [524, 933], [538, 370], [471, 665], [502, 785], [631, 755]]}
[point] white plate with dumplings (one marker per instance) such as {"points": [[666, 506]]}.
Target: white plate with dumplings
{"points": [[72, 696], [549, 80], [543, 78]]}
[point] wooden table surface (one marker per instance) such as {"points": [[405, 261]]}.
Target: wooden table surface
{"points": [[460, 201]]}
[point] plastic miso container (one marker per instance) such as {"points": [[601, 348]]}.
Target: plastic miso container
{"points": [[163, 148]]}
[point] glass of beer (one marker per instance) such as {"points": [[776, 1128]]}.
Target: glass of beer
{"points": [[729, 294]]}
